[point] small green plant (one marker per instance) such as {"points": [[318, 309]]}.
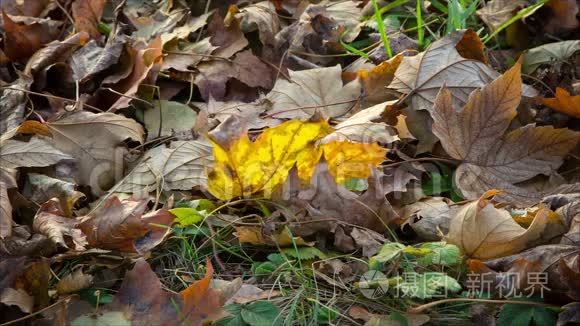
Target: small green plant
{"points": [[382, 31]]}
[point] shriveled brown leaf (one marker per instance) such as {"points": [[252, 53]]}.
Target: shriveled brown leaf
{"points": [[482, 231], [56, 51], [496, 12], [313, 91], [260, 16], [475, 135], [218, 111], [73, 282], [51, 222], [25, 36], [229, 39], [87, 14], [185, 56], [96, 141], [41, 188], [245, 67], [92, 59], [122, 225], [24, 283], [429, 217], [144, 60], [141, 300]]}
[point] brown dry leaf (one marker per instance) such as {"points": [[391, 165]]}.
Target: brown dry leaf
{"points": [[145, 59], [245, 67], [33, 127], [73, 282], [122, 225], [260, 16], [543, 259], [141, 300], [92, 59], [229, 40], [24, 283], [96, 141], [25, 36], [429, 217], [313, 91], [496, 12], [41, 188], [374, 81], [56, 51], [184, 56], [324, 200], [218, 111], [182, 166], [27, 8], [475, 135], [87, 14], [256, 236], [35, 153], [482, 231], [564, 103], [51, 222], [562, 17]]}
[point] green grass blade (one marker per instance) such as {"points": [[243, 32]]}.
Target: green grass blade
{"points": [[381, 26], [420, 31]]}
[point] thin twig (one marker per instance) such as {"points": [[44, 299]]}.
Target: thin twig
{"points": [[65, 300], [52, 96], [419, 309]]}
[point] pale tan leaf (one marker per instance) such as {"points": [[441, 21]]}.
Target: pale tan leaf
{"points": [[96, 141], [182, 166], [482, 231], [36, 152], [260, 16], [17, 297], [73, 282], [361, 128], [496, 12], [548, 54], [318, 90]]}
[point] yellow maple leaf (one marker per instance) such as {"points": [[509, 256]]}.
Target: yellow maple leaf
{"points": [[242, 167]]}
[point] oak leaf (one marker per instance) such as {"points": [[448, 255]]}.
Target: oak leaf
{"points": [[476, 135], [564, 103], [243, 167]]}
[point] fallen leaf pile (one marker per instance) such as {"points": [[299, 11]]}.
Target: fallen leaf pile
{"points": [[315, 153]]}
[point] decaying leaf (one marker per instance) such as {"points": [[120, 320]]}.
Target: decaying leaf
{"points": [[496, 12], [92, 59], [14, 154], [243, 167], [141, 300], [96, 142], [56, 51], [475, 135], [73, 282], [482, 231], [256, 236], [87, 14], [260, 16], [24, 38], [549, 53], [313, 91], [122, 225], [63, 231], [13, 103], [564, 103], [429, 217], [182, 166], [41, 188]]}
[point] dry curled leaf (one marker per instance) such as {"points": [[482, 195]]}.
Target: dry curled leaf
{"points": [[493, 157], [51, 222], [87, 14], [73, 282], [482, 231]]}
